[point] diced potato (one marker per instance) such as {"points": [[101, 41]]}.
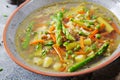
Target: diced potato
{"points": [[38, 61], [57, 66], [47, 62], [87, 41], [80, 58]]}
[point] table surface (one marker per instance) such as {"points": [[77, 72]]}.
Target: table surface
{"points": [[11, 71]]}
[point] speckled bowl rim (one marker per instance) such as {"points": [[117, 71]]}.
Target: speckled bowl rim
{"points": [[45, 73]]}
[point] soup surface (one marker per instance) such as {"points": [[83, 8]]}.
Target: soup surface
{"points": [[66, 37]]}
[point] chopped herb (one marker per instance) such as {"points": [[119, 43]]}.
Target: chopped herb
{"points": [[94, 47], [44, 52], [5, 15], [1, 69], [38, 46], [49, 43], [109, 19], [7, 6], [94, 17]]}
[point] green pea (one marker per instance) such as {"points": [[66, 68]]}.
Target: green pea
{"points": [[98, 36], [73, 55], [94, 17], [70, 52], [65, 43], [77, 48], [110, 19], [97, 26]]}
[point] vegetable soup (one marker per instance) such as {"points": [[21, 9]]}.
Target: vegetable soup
{"points": [[66, 37]]}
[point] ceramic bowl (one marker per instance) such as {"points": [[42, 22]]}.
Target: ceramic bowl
{"points": [[29, 6]]}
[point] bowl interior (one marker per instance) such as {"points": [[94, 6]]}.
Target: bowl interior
{"points": [[22, 13]]}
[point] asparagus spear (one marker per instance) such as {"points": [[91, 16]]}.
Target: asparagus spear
{"points": [[67, 34], [88, 59], [58, 19], [27, 37]]}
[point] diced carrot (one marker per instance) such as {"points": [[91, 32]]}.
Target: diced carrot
{"points": [[115, 27], [36, 42], [62, 68], [53, 37], [82, 42], [52, 28], [65, 20], [84, 27], [70, 17], [44, 37], [93, 33], [66, 26], [98, 40], [58, 51], [63, 9], [88, 17], [102, 26], [80, 52], [81, 12]]}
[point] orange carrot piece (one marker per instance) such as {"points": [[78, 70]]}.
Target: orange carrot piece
{"points": [[84, 27], [93, 33], [63, 68], [88, 17], [81, 12], [53, 37], [52, 28], [58, 51], [98, 40], [80, 52], [82, 42], [63, 9], [66, 26], [102, 26], [36, 42], [115, 27]]}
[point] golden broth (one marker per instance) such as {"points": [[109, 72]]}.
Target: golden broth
{"points": [[41, 19]]}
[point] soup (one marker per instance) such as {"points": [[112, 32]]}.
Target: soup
{"points": [[66, 37]]}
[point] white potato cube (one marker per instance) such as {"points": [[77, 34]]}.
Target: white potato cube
{"points": [[80, 58], [38, 61], [57, 66], [47, 62]]}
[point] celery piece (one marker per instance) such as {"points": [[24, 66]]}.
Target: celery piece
{"points": [[108, 27]]}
